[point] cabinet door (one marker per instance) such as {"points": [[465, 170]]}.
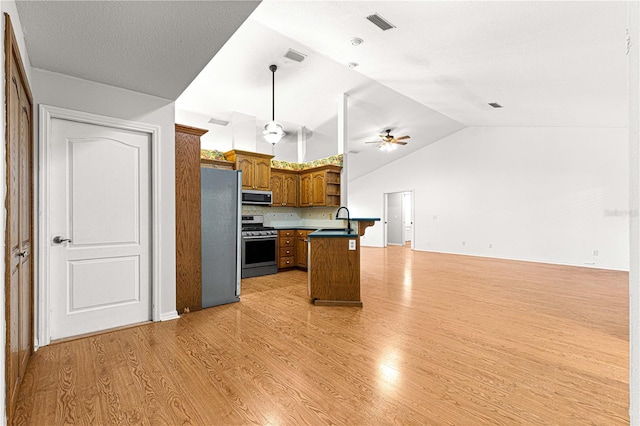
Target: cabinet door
{"points": [[277, 189], [246, 164], [301, 248], [305, 190], [262, 174], [319, 189], [290, 190]]}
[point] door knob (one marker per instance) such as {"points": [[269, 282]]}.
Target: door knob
{"points": [[59, 240]]}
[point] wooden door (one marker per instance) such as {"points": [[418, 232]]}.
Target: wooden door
{"points": [[290, 189], [305, 190], [262, 170], [99, 187], [277, 189], [301, 248], [319, 190], [247, 165], [19, 211]]}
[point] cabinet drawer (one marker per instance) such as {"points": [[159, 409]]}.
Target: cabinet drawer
{"points": [[285, 234], [302, 233], [286, 252], [286, 242], [286, 262]]}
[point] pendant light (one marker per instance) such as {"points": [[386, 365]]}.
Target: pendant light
{"points": [[273, 131]]}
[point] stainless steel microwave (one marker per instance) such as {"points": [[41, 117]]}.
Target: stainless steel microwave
{"points": [[256, 197]]}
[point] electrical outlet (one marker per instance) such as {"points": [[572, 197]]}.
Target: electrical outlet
{"points": [[464, 243], [595, 252], [352, 244], [490, 245]]}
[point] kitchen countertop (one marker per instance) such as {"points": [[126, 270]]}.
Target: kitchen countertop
{"points": [[333, 233]]}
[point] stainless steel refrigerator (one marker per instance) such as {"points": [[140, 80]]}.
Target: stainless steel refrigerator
{"points": [[221, 195]]}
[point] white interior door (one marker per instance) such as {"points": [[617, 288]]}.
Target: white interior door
{"points": [[99, 195]]}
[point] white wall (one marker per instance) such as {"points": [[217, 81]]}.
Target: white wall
{"points": [[7, 6], [541, 194], [82, 95], [634, 207]]}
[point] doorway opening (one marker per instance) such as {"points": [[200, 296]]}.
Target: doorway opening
{"points": [[398, 219]]}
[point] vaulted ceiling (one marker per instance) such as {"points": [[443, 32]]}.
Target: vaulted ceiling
{"points": [[556, 63]]}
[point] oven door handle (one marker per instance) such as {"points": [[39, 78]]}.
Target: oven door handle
{"points": [[261, 237]]}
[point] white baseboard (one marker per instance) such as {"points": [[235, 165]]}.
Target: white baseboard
{"points": [[167, 316]]}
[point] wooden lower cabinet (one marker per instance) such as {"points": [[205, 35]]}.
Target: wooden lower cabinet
{"points": [[286, 249], [292, 249], [301, 248]]}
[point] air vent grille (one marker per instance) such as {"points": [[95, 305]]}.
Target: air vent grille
{"points": [[380, 22], [295, 56], [218, 122], [495, 105]]}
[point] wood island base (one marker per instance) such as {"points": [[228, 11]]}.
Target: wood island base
{"points": [[354, 303]]}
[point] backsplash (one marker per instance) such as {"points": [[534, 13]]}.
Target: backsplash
{"points": [[293, 216]]}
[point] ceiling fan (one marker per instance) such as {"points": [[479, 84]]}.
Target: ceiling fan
{"points": [[389, 142]]}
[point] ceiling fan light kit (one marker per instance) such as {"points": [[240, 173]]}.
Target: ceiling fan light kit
{"points": [[273, 131], [390, 142]]}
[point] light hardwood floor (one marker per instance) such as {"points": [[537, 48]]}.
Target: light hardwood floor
{"points": [[441, 339]]}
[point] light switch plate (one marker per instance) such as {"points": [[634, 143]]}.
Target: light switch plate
{"points": [[352, 244]]}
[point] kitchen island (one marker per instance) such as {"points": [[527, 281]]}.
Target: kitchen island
{"points": [[334, 265]]}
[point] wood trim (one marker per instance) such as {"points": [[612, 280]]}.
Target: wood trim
{"points": [[46, 114], [231, 155], [220, 164], [190, 130], [14, 58]]}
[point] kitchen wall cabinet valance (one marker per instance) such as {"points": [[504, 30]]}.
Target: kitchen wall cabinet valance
{"points": [[320, 187], [188, 221], [284, 186], [256, 168]]}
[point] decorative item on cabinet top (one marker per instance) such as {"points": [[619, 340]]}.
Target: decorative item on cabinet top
{"points": [[334, 160]]}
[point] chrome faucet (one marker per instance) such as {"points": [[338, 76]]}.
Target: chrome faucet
{"points": [[348, 217]]}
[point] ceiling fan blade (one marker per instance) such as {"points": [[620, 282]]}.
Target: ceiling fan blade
{"points": [[373, 142], [399, 143], [403, 137]]}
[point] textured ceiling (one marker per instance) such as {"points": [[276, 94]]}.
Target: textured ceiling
{"points": [[152, 47]]}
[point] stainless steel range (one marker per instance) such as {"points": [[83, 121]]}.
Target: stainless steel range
{"points": [[259, 245]]}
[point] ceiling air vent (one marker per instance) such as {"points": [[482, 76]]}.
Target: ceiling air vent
{"points": [[295, 56], [380, 22], [495, 105], [218, 122]]}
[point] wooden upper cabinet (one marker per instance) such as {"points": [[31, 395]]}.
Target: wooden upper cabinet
{"points": [[305, 190], [320, 187], [284, 186], [256, 168]]}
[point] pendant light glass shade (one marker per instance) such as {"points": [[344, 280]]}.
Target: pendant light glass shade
{"points": [[273, 131]]}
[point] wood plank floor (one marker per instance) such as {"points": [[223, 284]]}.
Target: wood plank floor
{"points": [[441, 340]]}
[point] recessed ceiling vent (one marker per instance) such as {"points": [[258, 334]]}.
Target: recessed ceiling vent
{"points": [[380, 22], [295, 56], [495, 105], [218, 122]]}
